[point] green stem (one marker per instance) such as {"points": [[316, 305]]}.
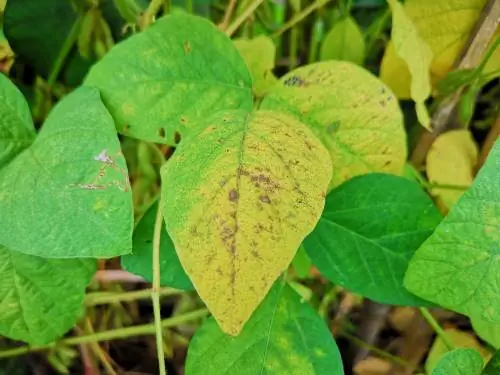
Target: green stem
{"points": [[101, 298], [150, 13], [429, 185], [487, 56], [114, 334], [299, 17], [65, 50], [437, 328], [155, 292], [189, 6], [243, 16]]}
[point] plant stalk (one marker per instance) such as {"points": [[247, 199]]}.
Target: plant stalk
{"points": [[243, 16], [101, 298], [299, 17], [437, 328]]}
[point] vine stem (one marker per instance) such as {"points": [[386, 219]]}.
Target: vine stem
{"points": [[114, 334], [243, 16], [299, 17], [437, 328], [155, 290], [101, 298]]}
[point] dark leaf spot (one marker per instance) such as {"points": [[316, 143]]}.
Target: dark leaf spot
{"points": [[161, 132], [233, 195], [333, 127], [177, 137], [187, 47], [265, 199]]}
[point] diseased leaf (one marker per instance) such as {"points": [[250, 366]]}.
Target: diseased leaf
{"points": [[457, 267], [488, 331], [459, 339], [344, 41], [240, 196], [259, 54], [68, 194], [16, 126], [140, 262], [159, 82], [460, 362], [354, 115], [451, 161], [284, 336], [41, 299], [409, 46], [369, 230], [445, 26]]}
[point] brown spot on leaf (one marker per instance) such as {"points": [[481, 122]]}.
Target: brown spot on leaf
{"points": [[126, 128], [187, 47], [265, 199], [184, 120], [161, 132], [255, 254], [177, 137], [233, 195]]}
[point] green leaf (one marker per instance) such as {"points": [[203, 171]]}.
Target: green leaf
{"points": [[458, 266], [141, 260], [487, 331], [284, 336], [259, 54], [240, 196], [68, 194], [16, 126], [41, 299], [493, 366], [352, 112], [344, 41], [460, 362], [410, 47], [370, 228], [159, 82], [301, 263]]}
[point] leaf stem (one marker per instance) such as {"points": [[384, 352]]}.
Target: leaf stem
{"points": [[243, 16], [114, 334], [437, 328], [101, 298], [429, 185], [150, 14], [155, 290], [65, 50], [299, 17]]}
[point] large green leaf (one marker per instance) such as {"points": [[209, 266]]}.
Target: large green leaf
{"points": [[460, 362], [458, 266], [284, 336], [140, 262], [41, 299], [369, 230], [159, 82], [68, 194], [240, 196], [16, 126], [352, 112]]}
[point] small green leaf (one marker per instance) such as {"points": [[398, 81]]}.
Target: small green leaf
{"points": [[409, 46], [16, 126], [351, 111], [259, 54], [240, 196], [460, 362], [367, 234], [41, 299], [344, 41], [457, 267], [161, 81], [68, 194], [493, 366], [141, 260], [284, 336]]}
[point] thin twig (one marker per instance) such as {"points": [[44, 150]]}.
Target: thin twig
{"points": [[101, 298], [243, 16], [228, 14], [437, 328]]}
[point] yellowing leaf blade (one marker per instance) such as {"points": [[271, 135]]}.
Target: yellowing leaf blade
{"points": [[239, 198]]}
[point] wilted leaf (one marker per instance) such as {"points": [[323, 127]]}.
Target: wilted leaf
{"points": [[41, 299], [353, 248], [240, 196], [409, 46], [458, 266], [284, 336], [451, 161], [68, 194], [459, 339], [259, 54], [460, 362], [140, 262], [16, 126], [159, 82], [344, 41], [353, 113]]}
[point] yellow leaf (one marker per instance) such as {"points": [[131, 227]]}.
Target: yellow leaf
{"points": [[344, 42], [445, 26], [239, 198], [259, 54], [409, 46], [352, 112], [461, 340], [451, 161]]}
